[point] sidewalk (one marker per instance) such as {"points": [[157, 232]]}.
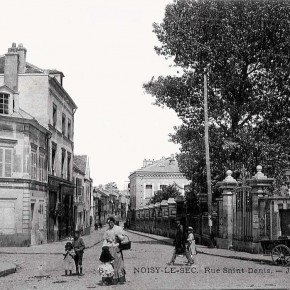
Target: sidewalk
{"points": [[260, 258], [56, 248], [90, 240]]}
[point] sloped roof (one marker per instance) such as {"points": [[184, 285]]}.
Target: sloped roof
{"points": [[30, 68], [80, 161], [163, 165]]}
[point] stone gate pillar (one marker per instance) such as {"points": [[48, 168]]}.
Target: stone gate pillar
{"points": [[259, 184], [226, 218]]}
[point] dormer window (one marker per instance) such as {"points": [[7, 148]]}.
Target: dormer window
{"points": [[4, 103]]}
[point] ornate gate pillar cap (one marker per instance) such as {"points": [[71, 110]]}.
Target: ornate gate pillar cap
{"points": [[171, 200], [260, 178], [259, 174], [164, 202], [228, 182]]}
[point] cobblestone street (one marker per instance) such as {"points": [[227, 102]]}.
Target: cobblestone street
{"points": [[146, 269]]}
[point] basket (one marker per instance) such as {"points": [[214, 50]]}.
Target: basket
{"points": [[125, 244]]}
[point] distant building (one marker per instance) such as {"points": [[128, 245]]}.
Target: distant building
{"points": [[83, 193], [153, 176], [103, 207]]}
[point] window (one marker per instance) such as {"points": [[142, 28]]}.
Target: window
{"points": [[79, 186], [68, 165], [53, 154], [62, 161], [5, 162], [41, 168], [33, 164], [63, 124], [54, 114], [148, 190], [4, 103], [68, 129]]}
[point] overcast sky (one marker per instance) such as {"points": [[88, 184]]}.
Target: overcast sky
{"points": [[105, 48]]}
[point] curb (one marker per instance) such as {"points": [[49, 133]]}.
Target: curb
{"points": [[45, 253], [264, 261]]}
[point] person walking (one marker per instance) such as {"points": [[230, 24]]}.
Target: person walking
{"points": [[179, 245], [190, 250], [112, 239], [79, 247]]}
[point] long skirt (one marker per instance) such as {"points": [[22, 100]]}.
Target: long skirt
{"points": [[119, 268]]}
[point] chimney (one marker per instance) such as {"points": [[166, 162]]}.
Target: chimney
{"points": [[22, 58], [11, 68]]}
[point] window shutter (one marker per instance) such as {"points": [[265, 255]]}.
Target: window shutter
{"points": [[1, 161], [8, 162]]}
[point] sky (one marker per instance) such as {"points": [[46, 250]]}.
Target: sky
{"points": [[105, 48]]}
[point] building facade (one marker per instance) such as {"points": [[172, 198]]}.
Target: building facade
{"points": [[41, 94], [23, 165], [153, 176], [83, 193]]}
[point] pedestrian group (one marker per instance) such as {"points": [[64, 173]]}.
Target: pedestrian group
{"points": [[183, 244], [111, 266]]}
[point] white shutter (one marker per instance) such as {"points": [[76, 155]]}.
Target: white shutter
{"points": [[8, 162]]}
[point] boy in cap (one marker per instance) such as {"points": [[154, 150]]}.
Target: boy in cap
{"points": [[79, 246]]}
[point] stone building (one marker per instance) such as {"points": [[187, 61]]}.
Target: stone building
{"points": [[83, 193], [41, 94], [153, 176], [23, 165]]}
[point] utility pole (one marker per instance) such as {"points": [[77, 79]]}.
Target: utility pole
{"points": [[209, 194]]}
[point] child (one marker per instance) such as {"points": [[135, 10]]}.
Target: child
{"points": [[191, 243], [69, 258], [106, 269], [79, 246]]}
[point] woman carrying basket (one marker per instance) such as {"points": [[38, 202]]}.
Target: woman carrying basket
{"points": [[112, 239]]}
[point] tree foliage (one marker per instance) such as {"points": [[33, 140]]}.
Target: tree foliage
{"points": [[244, 48], [112, 187], [165, 193]]}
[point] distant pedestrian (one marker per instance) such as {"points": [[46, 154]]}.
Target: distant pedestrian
{"points": [[69, 256], [100, 225], [96, 226], [79, 247], [190, 245], [106, 269]]}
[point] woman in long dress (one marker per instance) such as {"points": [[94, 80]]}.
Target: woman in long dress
{"points": [[112, 238]]}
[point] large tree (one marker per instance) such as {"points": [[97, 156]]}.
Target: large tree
{"points": [[244, 48]]}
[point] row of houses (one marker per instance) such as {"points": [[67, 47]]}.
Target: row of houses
{"points": [[45, 190], [110, 203]]}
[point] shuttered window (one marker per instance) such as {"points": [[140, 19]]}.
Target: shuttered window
{"points": [[41, 168], [33, 165], [5, 162]]}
